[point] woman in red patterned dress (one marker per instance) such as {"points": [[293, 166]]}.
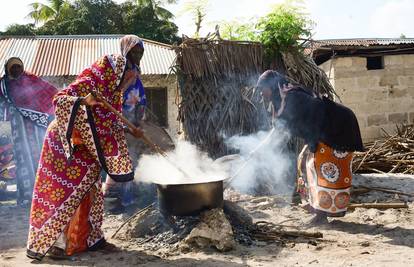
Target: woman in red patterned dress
{"points": [[67, 206]]}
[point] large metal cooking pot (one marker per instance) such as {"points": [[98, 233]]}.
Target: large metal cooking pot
{"points": [[190, 199]]}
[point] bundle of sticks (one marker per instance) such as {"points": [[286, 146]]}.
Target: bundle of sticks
{"points": [[270, 232], [302, 70], [392, 154]]}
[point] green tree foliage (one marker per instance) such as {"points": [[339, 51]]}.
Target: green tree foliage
{"points": [[146, 18], [279, 31], [94, 17], [52, 11], [20, 30], [157, 8], [145, 21], [239, 30], [282, 29]]}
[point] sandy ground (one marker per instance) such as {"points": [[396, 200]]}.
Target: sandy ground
{"points": [[364, 237]]}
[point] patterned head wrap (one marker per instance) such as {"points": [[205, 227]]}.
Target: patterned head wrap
{"points": [[128, 42]]}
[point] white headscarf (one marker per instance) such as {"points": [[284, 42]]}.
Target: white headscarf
{"points": [[128, 42]]}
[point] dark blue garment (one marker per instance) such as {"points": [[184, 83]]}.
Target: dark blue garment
{"points": [[319, 119]]}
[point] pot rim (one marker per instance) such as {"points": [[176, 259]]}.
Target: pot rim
{"points": [[189, 184]]}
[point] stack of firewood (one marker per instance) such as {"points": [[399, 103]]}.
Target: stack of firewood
{"points": [[392, 154]]}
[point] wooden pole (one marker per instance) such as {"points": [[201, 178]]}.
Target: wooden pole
{"points": [[386, 190], [132, 127], [379, 206], [132, 217]]}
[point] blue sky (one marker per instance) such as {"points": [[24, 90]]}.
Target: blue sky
{"points": [[333, 18]]}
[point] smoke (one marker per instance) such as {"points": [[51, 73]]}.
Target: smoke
{"points": [[263, 165], [266, 165], [184, 165]]}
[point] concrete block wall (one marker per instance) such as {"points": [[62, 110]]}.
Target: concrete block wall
{"points": [[169, 82], [327, 67], [380, 98]]}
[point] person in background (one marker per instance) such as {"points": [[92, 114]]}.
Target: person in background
{"points": [[331, 133], [85, 137], [26, 101], [133, 108]]}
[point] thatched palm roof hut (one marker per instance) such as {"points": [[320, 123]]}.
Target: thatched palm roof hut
{"points": [[218, 98]]}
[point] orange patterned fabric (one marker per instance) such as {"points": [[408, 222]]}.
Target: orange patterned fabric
{"points": [[78, 229], [76, 137], [325, 179]]}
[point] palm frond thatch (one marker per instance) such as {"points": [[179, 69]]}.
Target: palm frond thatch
{"points": [[217, 87], [217, 81]]}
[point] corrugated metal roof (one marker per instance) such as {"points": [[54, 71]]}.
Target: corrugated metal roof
{"points": [[361, 42], [69, 55]]}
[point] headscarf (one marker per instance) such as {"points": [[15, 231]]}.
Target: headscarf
{"points": [[271, 79], [12, 61], [275, 81], [128, 42]]}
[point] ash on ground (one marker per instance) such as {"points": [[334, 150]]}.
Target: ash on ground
{"points": [[152, 230], [217, 229], [169, 236]]}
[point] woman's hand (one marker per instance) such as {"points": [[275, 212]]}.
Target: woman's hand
{"points": [[137, 132], [90, 100]]}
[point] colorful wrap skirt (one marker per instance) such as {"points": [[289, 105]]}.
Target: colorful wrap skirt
{"points": [[325, 179]]}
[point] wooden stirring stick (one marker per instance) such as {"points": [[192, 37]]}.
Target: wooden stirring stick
{"points": [[132, 127]]}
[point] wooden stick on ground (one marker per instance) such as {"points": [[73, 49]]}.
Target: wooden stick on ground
{"points": [[283, 233], [271, 229], [408, 170], [359, 191], [300, 234], [398, 165], [132, 217], [379, 206], [387, 190], [365, 156], [376, 170]]}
